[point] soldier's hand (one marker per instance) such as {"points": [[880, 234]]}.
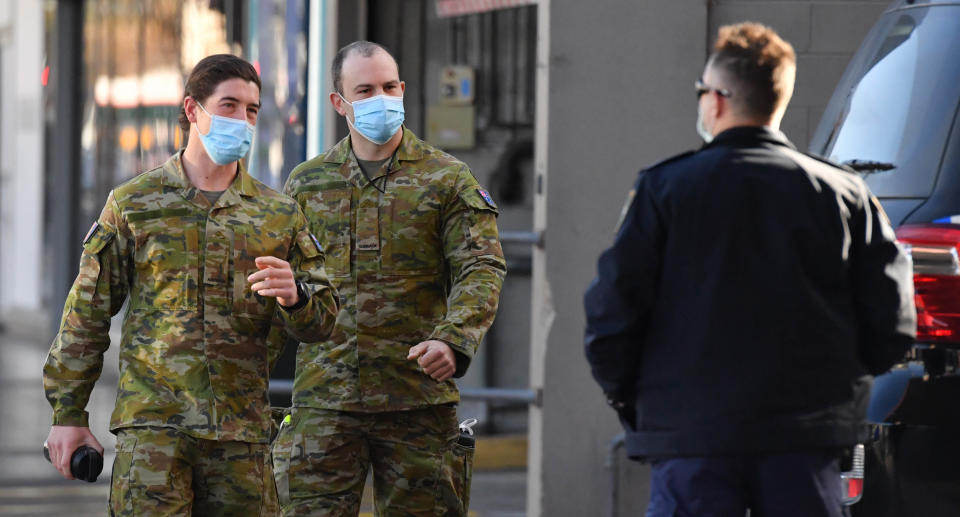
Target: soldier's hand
{"points": [[275, 279], [64, 440], [436, 358]]}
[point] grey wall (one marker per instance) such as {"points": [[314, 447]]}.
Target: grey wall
{"points": [[621, 97]]}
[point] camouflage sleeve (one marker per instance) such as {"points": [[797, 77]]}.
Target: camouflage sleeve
{"points": [[314, 320], [76, 355], [277, 340], [471, 247]]}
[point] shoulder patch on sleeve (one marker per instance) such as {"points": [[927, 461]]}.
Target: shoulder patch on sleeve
{"points": [[309, 244], [626, 208], [316, 242], [479, 199], [486, 197], [91, 232], [96, 239]]}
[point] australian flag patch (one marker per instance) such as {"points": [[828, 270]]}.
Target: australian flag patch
{"points": [[316, 242], [91, 232], [486, 197]]}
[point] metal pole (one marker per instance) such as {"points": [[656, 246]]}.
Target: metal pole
{"points": [[64, 237], [282, 387], [533, 238], [613, 464]]}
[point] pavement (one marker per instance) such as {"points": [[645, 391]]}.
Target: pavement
{"points": [[29, 486]]}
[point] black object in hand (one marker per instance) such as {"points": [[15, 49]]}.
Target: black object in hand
{"points": [[85, 463]]}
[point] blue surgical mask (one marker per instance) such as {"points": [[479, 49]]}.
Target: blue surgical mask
{"points": [[702, 129], [377, 118], [228, 139]]}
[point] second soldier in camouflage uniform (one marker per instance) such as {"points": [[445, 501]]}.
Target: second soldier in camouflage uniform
{"points": [[207, 275], [412, 246]]}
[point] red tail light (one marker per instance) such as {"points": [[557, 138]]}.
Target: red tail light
{"points": [[852, 481], [935, 250]]}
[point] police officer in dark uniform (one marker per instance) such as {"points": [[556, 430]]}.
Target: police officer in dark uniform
{"points": [[749, 296]]}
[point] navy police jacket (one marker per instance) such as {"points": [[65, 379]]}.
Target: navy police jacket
{"points": [[748, 297]]}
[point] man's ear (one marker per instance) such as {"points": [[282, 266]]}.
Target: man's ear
{"points": [[190, 109], [721, 106], [337, 102]]}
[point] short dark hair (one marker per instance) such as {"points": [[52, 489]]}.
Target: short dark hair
{"points": [[362, 47], [758, 64], [208, 74]]}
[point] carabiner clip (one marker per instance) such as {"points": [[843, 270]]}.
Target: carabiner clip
{"points": [[467, 426]]}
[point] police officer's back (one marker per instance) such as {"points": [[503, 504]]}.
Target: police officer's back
{"points": [[750, 291]]}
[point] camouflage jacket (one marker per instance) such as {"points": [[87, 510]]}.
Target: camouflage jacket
{"points": [[196, 346], [415, 255]]}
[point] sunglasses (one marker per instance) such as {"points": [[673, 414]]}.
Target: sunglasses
{"points": [[702, 89]]}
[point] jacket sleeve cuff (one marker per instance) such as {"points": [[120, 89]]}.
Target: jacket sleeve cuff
{"points": [[71, 418], [298, 316], [302, 299], [462, 352]]}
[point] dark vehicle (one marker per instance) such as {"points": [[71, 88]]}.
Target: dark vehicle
{"points": [[895, 117]]}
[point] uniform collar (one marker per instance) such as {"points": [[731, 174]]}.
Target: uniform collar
{"points": [[410, 148], [750, 135], [174, 176]]}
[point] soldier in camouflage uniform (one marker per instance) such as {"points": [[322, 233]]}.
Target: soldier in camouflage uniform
{"points": [[216, 268], [412, 247]]}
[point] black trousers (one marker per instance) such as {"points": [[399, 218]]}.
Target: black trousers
{"points": [[799, 484]]}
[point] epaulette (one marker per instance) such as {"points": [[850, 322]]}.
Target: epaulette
{"points": [[843, 167], [669, 160]]}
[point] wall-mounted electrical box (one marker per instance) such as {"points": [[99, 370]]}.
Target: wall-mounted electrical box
{"points": [[450, 127], [456, 85]]}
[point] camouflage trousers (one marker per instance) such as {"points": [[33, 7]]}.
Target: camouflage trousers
{"points": [[321, 459], [161, 471]]}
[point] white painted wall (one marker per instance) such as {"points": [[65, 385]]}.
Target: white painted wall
{"points": [[21, 162]]}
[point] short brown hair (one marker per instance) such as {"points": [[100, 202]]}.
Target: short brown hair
{"points": [[207, 75], [362, 47], [759, 65]]}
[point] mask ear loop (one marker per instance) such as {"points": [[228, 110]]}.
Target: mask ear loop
{"points": [[208, 116], [345, 111]]}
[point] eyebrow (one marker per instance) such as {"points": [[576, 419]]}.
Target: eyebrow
{"points": [[238, 101], [365, 85]]}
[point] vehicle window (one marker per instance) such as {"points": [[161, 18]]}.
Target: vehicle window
{"points": [[897, 100]]}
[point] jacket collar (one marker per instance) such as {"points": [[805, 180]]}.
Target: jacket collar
{"points": [[411, 148], [750, 135], [174, 176]]}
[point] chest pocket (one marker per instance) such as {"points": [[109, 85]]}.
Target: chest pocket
{"points": [[329, 215], [167, 263], [412, 243]]}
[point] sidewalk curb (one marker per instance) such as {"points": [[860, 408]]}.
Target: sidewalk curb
{"points": [[498, 452]]}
